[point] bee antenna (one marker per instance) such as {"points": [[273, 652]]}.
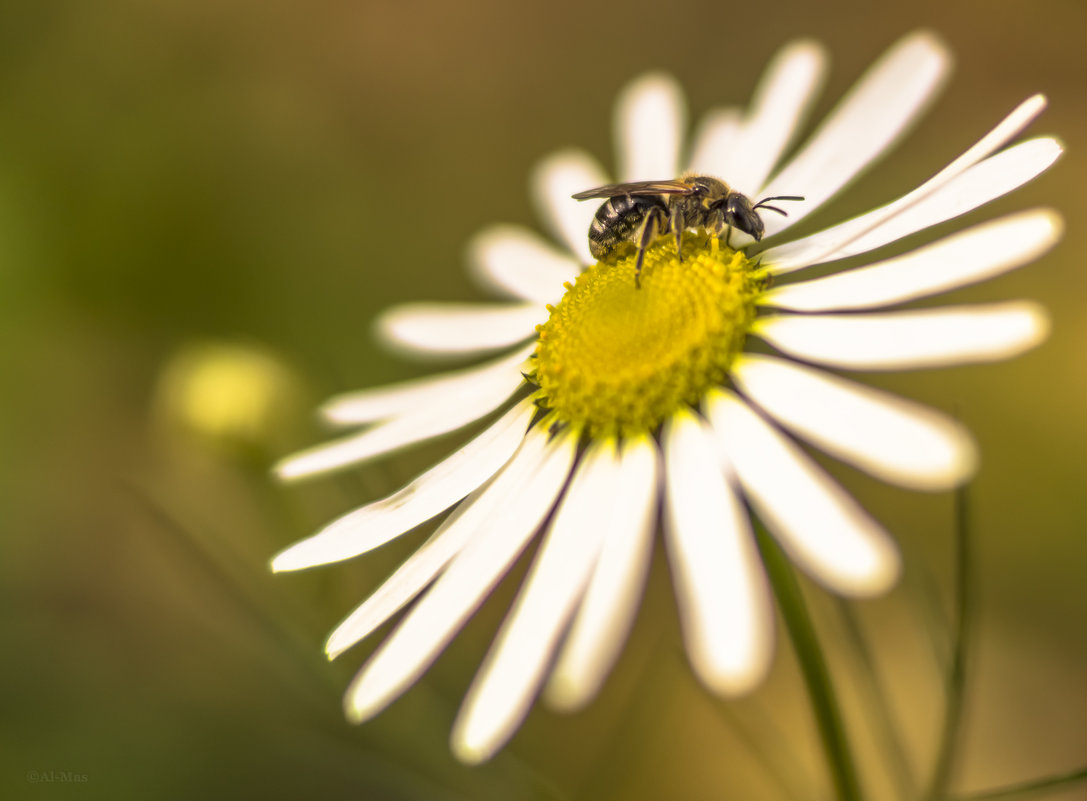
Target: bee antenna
{"points": [[762, 203], [782, 212]]}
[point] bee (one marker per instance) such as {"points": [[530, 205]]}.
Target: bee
{"points": [[638, 212]]}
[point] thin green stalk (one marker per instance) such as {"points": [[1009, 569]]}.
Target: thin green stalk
{"points": [[769, 747], [961, 635], [1030, 789], [925, 591], [878, 705], [242, 589], [240, 586], [626, 743], [813, 666]]}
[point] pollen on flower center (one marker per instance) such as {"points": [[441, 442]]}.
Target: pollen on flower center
{"points": [[617, 359]]}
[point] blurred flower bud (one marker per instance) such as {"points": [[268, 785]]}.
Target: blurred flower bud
{"points": [[235, 397]]}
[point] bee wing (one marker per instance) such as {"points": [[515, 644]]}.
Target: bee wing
{"points": [[637, 188]]}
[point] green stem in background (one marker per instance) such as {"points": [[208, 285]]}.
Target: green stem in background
{"points": [[813, 666], [649, 699], [768, 746], [1031, 789], [245, 591], [307, 672], [963, 610], [879, 707]]}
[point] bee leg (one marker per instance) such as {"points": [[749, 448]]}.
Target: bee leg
{"points": [[716, 224], [678, 226], [651, 226]]}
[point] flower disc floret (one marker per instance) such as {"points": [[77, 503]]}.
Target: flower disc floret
{"points": [[616, 358]]}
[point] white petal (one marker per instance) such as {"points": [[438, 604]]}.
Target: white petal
{"points": [[716, 141], [448, 413], [817, 523], [459, 591], [875, 113], [447, 541], [779, 107], [909, 340], [458, 329], [513, 260], [555, 179], [428, 495], [511, 675], [992, 178], [922, 208], [721, 588], [824, 244], [891, 438], [650, 118], [392, 400], [607, 612], [976, 254]]}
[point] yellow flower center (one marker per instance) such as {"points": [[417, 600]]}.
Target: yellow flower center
{"points": [[615, 359]]}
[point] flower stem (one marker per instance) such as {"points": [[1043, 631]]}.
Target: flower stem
{"points": [[956, 679], [768, 746], [813, 666], [878, 705], [1030, 789]]}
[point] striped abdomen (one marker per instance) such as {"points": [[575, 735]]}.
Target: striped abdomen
{"points": [[618, 220]]}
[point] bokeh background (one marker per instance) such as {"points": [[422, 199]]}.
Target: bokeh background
{"points": [[187, 185]]}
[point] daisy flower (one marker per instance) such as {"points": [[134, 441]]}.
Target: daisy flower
{"points": [[618, 404]]}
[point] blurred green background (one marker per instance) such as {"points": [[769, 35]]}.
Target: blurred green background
{"points": [[180, 175]]}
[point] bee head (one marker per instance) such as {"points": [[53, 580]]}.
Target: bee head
{"points": [[739, 213]]}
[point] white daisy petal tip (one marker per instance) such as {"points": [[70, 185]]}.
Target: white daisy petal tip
{"points": [[863, 127], [299, 466], [652, 84], [358, 705], [888, 437], [961, 466], [314, 551], [457, 330], [282, 471], [737, 669], [927, 44], [554, 182], [1055, 221], [472, 747], [514, 261], [817, 523], [392, 330], [650, 115], [287, 561], [387, 327], [741, 671], [811, 50], [1033, 106], [339, 643], [912, 339], [1027, 325], [976, 254], [864, 574], [565, 693], [374, 688], [720, 585], [655, 91], [942, 466]]}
